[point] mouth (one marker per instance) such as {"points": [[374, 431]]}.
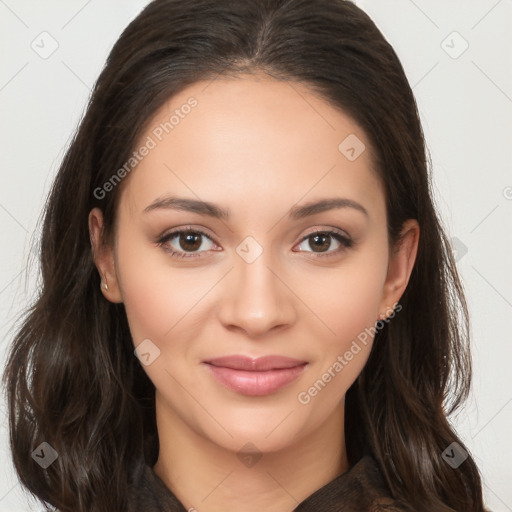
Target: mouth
{"points": [[255, 377]]}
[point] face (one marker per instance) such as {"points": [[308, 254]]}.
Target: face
{"points": [[264, 276]]}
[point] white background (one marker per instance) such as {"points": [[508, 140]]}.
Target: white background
{"points": [[465, 104]]}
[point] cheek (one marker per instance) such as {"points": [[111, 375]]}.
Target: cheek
{"points": [[340, 300], [345, 299], [156, 296], [335, 303]]}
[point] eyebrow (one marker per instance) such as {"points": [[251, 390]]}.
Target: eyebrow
{"points": [[215, 211]]}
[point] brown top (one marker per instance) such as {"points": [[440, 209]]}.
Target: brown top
{"points": [[360, 489]]}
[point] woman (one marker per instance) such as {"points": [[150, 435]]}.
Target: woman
{"points": [[248, 300]]}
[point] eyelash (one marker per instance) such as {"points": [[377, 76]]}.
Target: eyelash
{"points": [[345, 242]]}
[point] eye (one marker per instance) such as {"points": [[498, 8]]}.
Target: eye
{"points": [[189, 243], [185, 243], [321, 242]]}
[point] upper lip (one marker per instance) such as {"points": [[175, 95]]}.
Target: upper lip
{"points": [[240, 362]]}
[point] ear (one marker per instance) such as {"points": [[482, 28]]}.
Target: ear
{"points": [[103, 256], [401, 263]]}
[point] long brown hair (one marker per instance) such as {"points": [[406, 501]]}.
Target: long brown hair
{"points": [[72, 379]]}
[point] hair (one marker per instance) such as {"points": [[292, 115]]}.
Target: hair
{"points": [[71, 377]]}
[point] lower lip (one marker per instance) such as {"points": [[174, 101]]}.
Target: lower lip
{"points": [[253, 383]]}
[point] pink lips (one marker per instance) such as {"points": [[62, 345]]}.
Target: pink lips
{"points": [[255, 377]]}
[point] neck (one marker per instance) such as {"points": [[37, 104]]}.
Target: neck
{"points": [[210, 478]]}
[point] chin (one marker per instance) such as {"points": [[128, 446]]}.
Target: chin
{"points": [[269, 430]]}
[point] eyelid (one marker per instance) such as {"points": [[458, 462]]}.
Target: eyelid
{"points": [[190, 228], [343, 238], [327, 229], [169, 235]]}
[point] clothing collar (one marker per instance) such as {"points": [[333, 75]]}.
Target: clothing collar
{"points": [[360, 489]]}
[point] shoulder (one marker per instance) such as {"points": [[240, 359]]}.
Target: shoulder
{"points": [[367, 475], [149, 494], [360, 489], [370, 480]]}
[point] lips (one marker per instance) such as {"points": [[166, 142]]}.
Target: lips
{"points": [[260, 364], [255, 377]]}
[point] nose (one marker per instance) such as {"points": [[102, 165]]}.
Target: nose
{"points": [[256, 299]]}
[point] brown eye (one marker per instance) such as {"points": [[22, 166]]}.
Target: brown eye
{"points": [[321, 241], [185, 243], [190, 241]]}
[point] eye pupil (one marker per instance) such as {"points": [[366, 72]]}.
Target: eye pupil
{"points": [[190, 238], [324, 245]]}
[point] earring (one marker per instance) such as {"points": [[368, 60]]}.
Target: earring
{"points": [[105, 285]]}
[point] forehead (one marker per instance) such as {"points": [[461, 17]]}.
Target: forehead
{"points": [[252, 139]]}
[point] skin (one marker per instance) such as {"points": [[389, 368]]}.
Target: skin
{"points": [[257, 147]]}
